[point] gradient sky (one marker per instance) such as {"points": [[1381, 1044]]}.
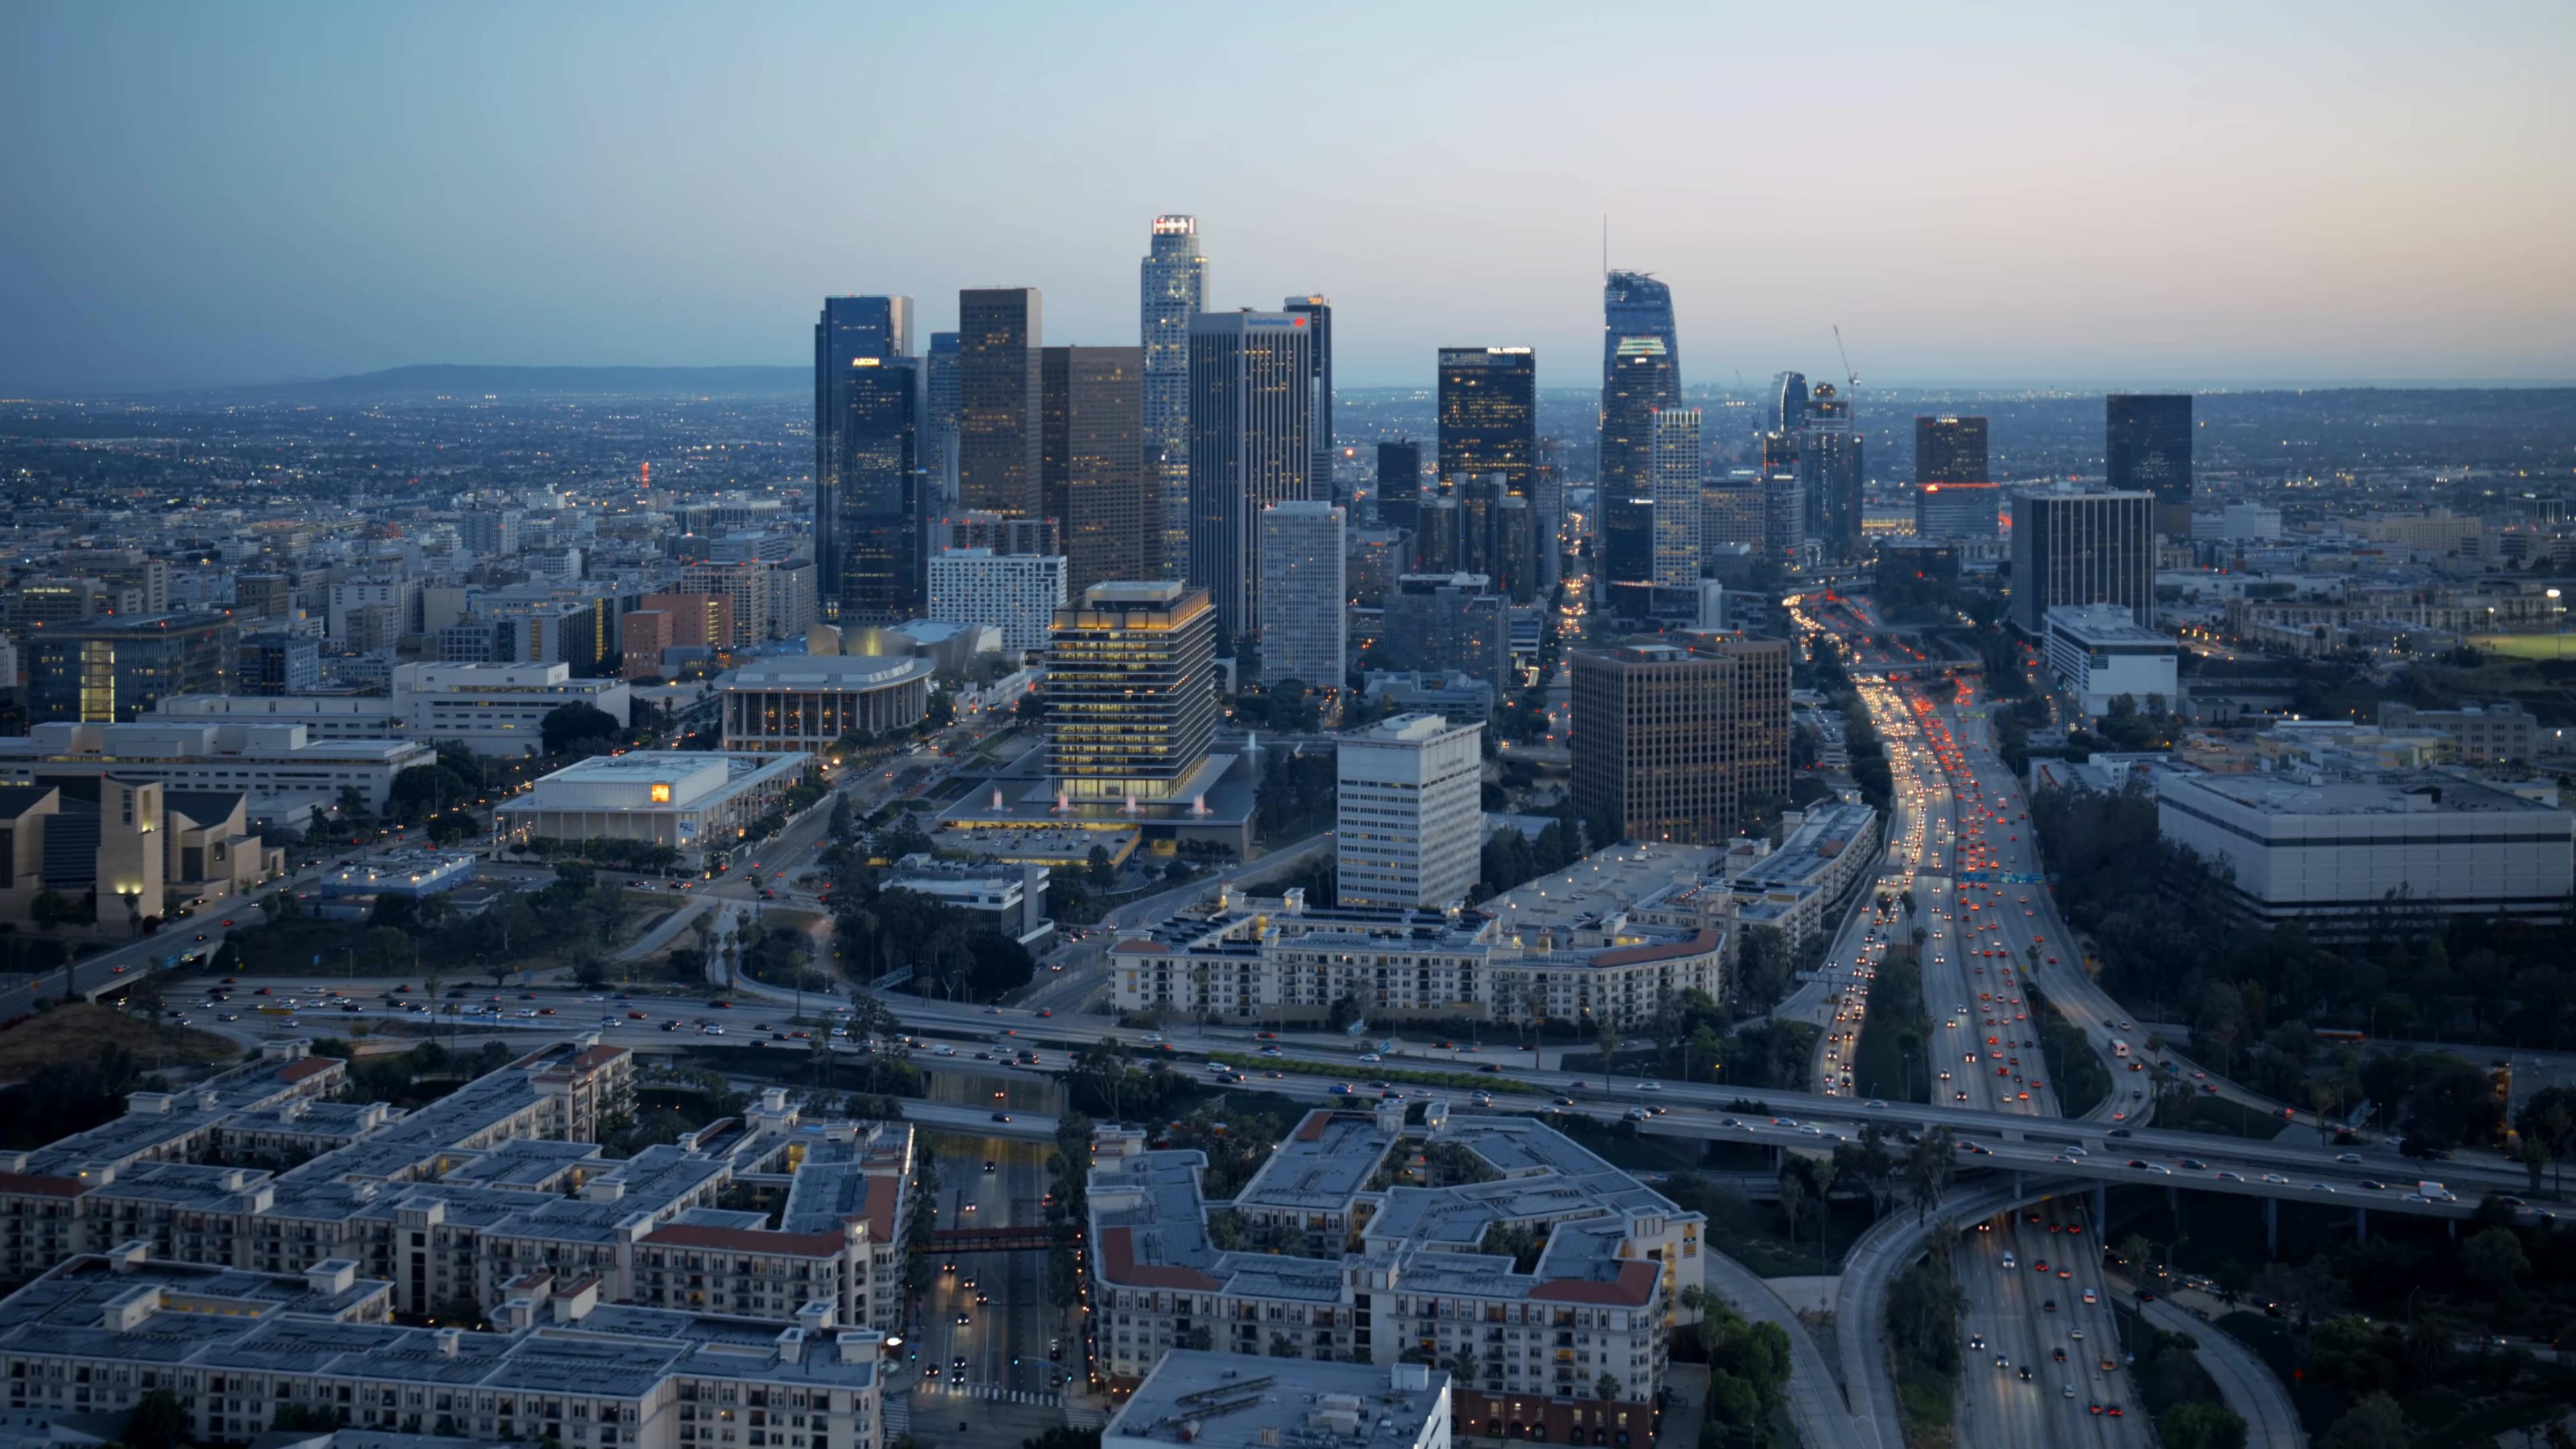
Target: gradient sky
{"points": [[1977, 193]]}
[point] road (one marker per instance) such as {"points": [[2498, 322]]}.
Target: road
{"points": [[2244, 1380], [2034, 1288]]}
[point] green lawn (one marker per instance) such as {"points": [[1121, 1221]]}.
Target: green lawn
{"points": [[1926, 1400], [2521, 646]]}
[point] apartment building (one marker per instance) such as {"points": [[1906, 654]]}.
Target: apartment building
{"points": [[1377, 1259]]}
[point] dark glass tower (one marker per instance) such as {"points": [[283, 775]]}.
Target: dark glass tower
{"points": [[1251, 445], [1950, 450], [999, 397], [1489, 413], [870, 520], [1317, 309], [2147, 449], [1641, 381], [1787, 405], [850, 332], [1634, 304], [1399, 482]]}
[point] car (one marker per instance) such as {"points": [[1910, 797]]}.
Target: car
{"points": [[2194, 1164], [2059, 1354], [961, 1320], [1371, 1057], [1001, 1116], [2090, 1296], [2070, 1391], [2025, 1373], [2113, 1410], [2351, 1157], [2048, 1305]]}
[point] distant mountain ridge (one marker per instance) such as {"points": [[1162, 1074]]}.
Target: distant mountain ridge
{"points": [[473, 381]]}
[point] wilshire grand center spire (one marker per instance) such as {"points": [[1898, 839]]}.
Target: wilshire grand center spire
{"points": [[1174, 289]]}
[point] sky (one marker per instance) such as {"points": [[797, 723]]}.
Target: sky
{"points": [[1977, 194]]}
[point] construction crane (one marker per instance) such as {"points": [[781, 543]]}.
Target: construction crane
{"points": [[1851, 379]]}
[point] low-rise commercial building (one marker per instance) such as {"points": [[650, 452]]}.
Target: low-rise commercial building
{"points": [[2100, 652], [2338, 849], [2477, 733], [695, 801], [286, 775], [1830, 851], [498, 708], [1217, 1401]]}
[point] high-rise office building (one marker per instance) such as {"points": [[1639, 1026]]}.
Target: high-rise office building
{"points": [[1634, 305], [1399, 482], [1251, 445], [1305, 612], [2147, 448], [1829, 469], [1950, 450], [1094, 464], [851, 329], [1785, 410], [1408, 814], [1174, 288], [869, 513], [1317, 309], [1674, 482], [1497, 535], [1449, 621], [1673, 737], [2070, 546], [1639, 382], [1489, 413], [999, 398], [1654, 743], [1784, 499], [939, 419], [1131, 690]]}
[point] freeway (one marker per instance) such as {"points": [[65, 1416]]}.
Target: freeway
{"points": [[2044, 1361]]}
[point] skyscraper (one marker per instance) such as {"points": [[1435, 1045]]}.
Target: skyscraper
{"points": [[2147, 447], [1095, 464], [1654, 743], [939, 421], [1829, 469], [1489, 413], [1251, 445], [1409, 818], [1130, 690], [1399, 482], [1955, 495], [1786, 409], [850, 331], [999, 399], [1318, 310], [1639, 380], [869, 514], [1174, 288], [1675, 487], [1634, 304], [851, 328], [2071, 546], [1784, 499], [1305, 610]]}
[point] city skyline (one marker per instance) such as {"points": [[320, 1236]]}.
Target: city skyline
{"points": [[503, 221]]}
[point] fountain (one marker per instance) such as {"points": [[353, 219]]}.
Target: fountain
{"points": [[1063, 801], [1130, 807], [1198, 804], [997, 798]]}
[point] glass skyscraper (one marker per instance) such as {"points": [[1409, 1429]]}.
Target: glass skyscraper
{"points": [[852, 333], [2147, 449], [1829, 468], [999, 336], [939, 422], [1173, 289], [871, 519], [1318, 309], [1489, 413], [1252, 400]]}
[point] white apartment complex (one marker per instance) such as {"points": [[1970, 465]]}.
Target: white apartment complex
{"points": [[1408, 822], [1017, 593], [1304, 604]]}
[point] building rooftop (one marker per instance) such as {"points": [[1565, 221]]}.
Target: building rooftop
{"points": [[2395, 793], [1228, 1401]]}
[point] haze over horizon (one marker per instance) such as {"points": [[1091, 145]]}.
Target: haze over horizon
{"points": [[2001, 195]]}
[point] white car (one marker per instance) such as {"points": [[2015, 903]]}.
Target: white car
{"points": [[1371, 1057]]}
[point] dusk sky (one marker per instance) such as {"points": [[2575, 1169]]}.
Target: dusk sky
{"points": [[2037, 193]]}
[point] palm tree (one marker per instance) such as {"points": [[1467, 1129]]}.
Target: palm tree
{"points": [[1606, 1386]]}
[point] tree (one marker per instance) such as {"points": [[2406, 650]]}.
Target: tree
{"points": [[2201, 1425], [1098, 867], [569, 725], [1606, 1386], [2374, 1423], [2494, 1259], [156, 1422]]}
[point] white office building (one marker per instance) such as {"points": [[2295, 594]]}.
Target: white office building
{"points": [[1673, 472], [2100, 652], [1304, 605], [324, 716], [286, 774], [495, 709], [1409, 822], [2311, 845], [1017, 593]]}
